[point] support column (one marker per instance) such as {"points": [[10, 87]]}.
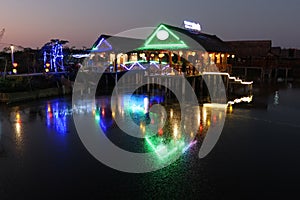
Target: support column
{"points": [[262, 74], [170, 60], [201, 87], [148, 84], [183, 88], [194, 83], [286, 74]]}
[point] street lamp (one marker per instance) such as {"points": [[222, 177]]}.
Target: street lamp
{"points": [[12, 53]]}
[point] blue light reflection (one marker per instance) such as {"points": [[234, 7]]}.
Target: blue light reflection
{"points": [[56, 117]]}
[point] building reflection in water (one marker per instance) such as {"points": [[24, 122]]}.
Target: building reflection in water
{"points": [[175, 136]]}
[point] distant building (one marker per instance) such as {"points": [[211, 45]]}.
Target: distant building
{"points": [[287, 59], [250, 53], [258, 60]]}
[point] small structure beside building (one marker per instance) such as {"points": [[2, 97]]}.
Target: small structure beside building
{"points": [[259, 61]]}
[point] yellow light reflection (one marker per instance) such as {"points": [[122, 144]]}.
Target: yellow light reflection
{"points": [[179, 136], [49, 108], [220, 115], [204, 114], [215, 105], [192, 134], [199, 119], [18, 117], [208, 123], [18, 132], [142, 128], [230, 109], [113, 114], [175, 131], [18, 129], [171, 113]]}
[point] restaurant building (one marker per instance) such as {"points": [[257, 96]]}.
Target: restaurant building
{"points": [[168, 50]]}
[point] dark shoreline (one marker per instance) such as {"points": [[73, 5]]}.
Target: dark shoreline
{"points": [[260, 92]]}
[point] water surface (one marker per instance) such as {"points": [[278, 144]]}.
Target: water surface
{"points": [[256, 156]]}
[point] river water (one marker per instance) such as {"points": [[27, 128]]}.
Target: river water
{"points": [[256, 156]]}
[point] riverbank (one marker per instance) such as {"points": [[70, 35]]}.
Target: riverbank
{"points": [[259, 91], [13, 97], [26, 87]]}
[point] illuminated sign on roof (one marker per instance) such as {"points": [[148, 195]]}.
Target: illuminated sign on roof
{"points": [[192, 25]]}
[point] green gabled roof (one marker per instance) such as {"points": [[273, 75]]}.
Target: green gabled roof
{"points": [[180, 38], [163, 38]]}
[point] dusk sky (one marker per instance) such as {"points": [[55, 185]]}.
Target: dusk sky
{"points": [[32, 23]]}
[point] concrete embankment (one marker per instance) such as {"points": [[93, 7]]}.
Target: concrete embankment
{"points": [[31, 95]]}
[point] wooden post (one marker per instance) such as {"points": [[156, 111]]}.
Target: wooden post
{"points": [[148, 84], [227, 85], [166, 84], [170, 59], [194, 83], [286, 74], [201, 87], [153, 85], [170, 85], [183, 89], [262, 74]]}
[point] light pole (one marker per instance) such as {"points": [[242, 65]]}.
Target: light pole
{"points": [[12, 53]]}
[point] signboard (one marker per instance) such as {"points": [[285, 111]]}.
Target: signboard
{"points": [[192, 25]]}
